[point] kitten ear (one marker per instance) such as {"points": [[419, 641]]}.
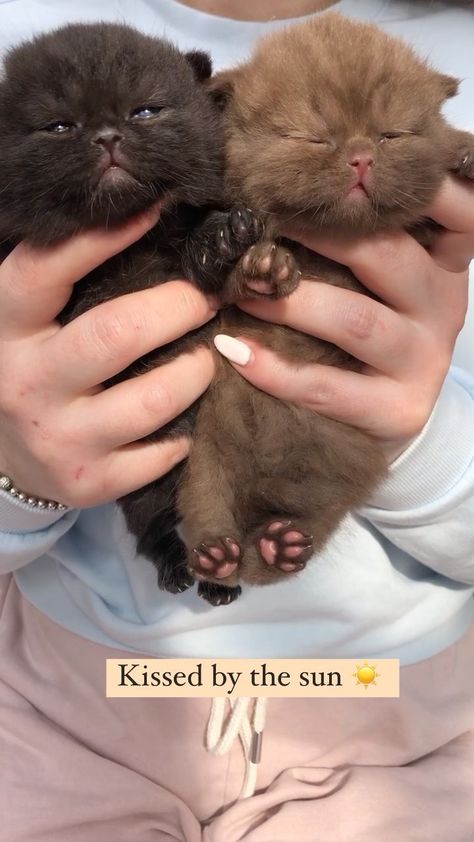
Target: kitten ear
{"points": [[221, 86], [449, 85], [201, 64]]}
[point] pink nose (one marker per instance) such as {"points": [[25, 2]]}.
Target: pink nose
{"points": [[361, 163]]}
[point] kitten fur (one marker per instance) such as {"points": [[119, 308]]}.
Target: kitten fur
{"points": [[98, 122], [259, 469], [312, 99]]}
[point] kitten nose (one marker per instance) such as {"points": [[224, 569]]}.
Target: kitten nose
{"points": [[107, 138], [361, 162]]}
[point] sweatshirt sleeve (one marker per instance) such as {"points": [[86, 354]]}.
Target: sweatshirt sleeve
{"points": [[27, 533], [426, 505]]}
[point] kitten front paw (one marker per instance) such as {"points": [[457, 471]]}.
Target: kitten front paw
{"points": [[267, 270], [239, 229]]}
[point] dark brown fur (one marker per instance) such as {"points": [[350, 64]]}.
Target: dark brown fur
{"points": [[59, 97], [310, 98]]}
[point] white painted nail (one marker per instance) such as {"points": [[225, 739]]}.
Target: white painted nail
{"points": [[235, 350]]}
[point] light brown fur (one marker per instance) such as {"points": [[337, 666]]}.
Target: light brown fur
{"points": [[257, 460]]}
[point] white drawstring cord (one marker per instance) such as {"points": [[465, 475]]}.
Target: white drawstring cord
{"points": [[220, 737]]}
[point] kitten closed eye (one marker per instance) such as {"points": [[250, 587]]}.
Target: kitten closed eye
{"points": [[308, 138], [396, 135]]}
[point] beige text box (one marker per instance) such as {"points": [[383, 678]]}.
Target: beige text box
{"points": [[277, 677]]}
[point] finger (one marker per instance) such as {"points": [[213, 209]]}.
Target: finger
{"points": [[363, 327], [108, 338], [140, 406], [35, 284], [345, 396], [453, 251], [394, 266], [453, 206], [136, 465]]}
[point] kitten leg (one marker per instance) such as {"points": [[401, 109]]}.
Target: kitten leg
{"points": [[290, 531], [298, 494], [206, 501], [150, 516], [267, 270]]}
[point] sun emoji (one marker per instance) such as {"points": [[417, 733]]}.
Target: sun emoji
{"points": [[366, 674]]}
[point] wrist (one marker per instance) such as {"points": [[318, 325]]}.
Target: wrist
{"points": [[435, 460], [8, 486]]}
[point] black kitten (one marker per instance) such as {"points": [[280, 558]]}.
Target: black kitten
{"points": [[98, 122]]}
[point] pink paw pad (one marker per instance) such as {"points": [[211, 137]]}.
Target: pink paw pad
{"points": [[217, 558], [284, 546]]}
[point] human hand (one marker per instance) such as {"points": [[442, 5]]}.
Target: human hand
{"points": [[405, 341], [62, 435]]}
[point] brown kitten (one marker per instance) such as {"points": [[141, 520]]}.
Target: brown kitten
{"points": [[331, 126]]}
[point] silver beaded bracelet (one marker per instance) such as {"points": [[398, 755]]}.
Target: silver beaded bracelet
{"points": [[6, 484]]}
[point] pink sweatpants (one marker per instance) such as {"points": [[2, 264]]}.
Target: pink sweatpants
{"points": [[77, 767]]}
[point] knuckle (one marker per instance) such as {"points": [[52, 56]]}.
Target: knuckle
{"points": [[412, 414], [443, 362], [169, 453], [15, 398], [382, 250], [106, 332], [157, 399], [203, 363], [9, 402], [321, 390], [360, 318], [190, 304], [75, 483], [386, 249], [458, 317], [419, 414], [23, 267]]}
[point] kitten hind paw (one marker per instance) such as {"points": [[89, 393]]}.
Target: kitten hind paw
{"points": [[218, 594], [217, 558], [284, 546], [176, 581]]}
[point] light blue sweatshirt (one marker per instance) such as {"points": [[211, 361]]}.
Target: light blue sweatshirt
{"points": [[397, 578]]}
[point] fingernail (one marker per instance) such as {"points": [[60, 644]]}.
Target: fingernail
{"points": [[233, 349]]}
